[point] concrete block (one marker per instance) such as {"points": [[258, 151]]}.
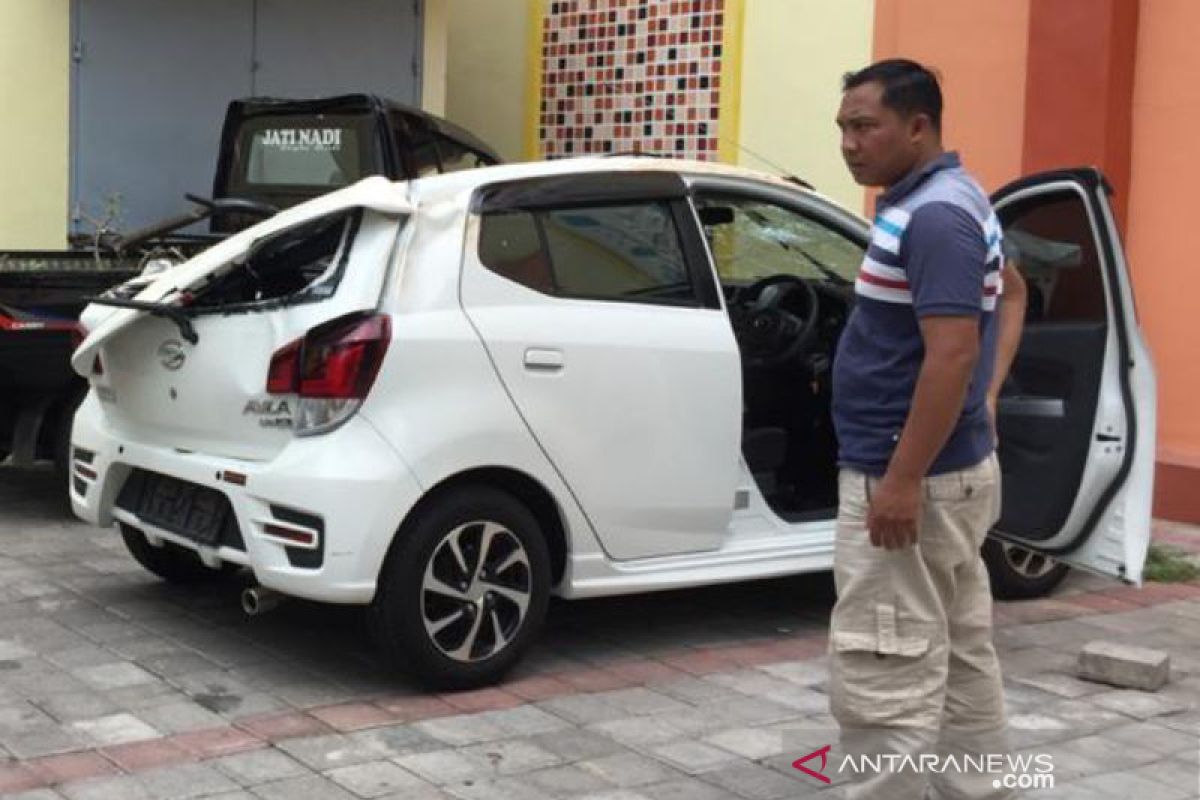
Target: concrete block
{"points": [[1124, 665]]}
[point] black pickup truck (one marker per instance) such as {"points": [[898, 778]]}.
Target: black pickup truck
{"points": [[274, 153]]}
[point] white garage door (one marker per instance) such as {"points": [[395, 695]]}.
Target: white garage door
{"points": [[151, 79]]}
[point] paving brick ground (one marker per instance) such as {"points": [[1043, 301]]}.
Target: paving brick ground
{"points": [[114, 685]]}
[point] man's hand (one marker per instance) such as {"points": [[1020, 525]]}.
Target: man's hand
{"points": [[894, 511]]}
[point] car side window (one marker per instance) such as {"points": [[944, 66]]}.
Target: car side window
{"points": [[457, 157], [626, 252], [416, 144], [1050, 238], [752, 239]]}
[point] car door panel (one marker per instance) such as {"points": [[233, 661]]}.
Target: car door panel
{"points": [[1076, 416], [636, 403], [1045, 424]]}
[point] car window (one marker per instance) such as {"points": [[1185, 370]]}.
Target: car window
{"points": [[301, 264], [303, 150], [416, 143], [629, 252], [511, 245], [753, 239], [457, 156], [1050, 238]]}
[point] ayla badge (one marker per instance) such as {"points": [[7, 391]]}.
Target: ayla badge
{"points": [[270, 413]]}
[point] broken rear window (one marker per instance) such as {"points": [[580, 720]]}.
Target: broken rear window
{"points": [[301, 264]]}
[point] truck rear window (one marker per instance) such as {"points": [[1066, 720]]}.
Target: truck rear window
{"points": [[323, 151]]}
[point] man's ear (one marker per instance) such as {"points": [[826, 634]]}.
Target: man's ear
{"points": [[920, 126]]}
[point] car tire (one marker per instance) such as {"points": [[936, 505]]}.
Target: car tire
{"points": [[463, 592], [172, 563], [1018, 574]]}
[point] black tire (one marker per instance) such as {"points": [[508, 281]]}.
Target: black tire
{"points": [[404, 608], [172, 563], [1018, 574]]}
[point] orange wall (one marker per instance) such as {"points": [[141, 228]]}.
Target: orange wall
{"points": [[1079, 88], [1165, 172], [979, 47]]}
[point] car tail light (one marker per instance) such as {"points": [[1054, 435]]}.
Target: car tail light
{"points": [[281, 379], [331, 368]]}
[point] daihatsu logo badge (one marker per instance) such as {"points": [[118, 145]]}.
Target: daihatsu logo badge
{"points": [[171, 355]]}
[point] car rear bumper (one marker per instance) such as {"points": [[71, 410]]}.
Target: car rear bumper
{"points": [[354, 501]]}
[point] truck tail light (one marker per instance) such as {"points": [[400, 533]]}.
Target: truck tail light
{"points": [[331, 368]]}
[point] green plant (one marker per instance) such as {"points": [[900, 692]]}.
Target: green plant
{"points": [[1170, 565]]}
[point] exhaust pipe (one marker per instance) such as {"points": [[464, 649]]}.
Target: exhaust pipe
{"points": [[257, 600]]}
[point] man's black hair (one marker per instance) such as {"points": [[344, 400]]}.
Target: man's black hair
{"points": [[908, 87]]}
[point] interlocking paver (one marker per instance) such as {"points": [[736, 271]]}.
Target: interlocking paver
{"points": [[567, 781], [259, 766], [375, 779], [115, 729], [309, 786], [754, 782], [124, 787], [329, 752], [185, 780], [693, 757], [443, 767], [461, 730], [1139, 704], [751, 743], [628, 769], [576, 744], [511, 756]]}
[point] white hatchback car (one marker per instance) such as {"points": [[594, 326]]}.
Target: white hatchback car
{"points": [[454, 397]]}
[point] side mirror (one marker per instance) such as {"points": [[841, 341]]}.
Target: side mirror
{"points": [[711, 216]]}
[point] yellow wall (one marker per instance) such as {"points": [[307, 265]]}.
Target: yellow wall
{"points": [[1166, 101], [34, 138], [793, 55], [435, 37], [487, 71]]}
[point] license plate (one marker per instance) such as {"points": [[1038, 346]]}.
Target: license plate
{"points": [[187, 509]]}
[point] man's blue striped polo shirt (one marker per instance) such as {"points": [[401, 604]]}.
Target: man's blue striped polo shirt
{"points": [[935, 250]]}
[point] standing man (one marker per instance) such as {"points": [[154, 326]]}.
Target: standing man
{"points": [[913, 667]]}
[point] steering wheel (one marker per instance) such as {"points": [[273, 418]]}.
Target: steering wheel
{"points": [[234, 205], [775, 319]]}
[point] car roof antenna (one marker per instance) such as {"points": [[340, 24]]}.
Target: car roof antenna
{"points": [[783, 173]]}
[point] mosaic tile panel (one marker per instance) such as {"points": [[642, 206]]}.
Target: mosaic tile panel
{"points": [[631, 76]]}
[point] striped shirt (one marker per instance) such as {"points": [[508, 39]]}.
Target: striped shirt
{"points": [[935, 250]]}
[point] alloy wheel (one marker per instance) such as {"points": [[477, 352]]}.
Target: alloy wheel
{"points": [[476, 591], [1027, 563]]}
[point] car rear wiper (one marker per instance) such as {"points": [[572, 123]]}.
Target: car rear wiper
{"points": [[180, 316]]}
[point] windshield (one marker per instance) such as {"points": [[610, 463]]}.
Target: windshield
{"points": [[752, 239]]}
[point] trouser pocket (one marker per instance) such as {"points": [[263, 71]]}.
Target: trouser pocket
{"points": [[886, 672]]}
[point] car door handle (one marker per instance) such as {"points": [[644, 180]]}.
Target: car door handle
{"points": [[538, 359]]}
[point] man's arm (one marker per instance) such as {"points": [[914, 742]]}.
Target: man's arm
{"points": [[1011, 321], [951, 352], [945, 263]]}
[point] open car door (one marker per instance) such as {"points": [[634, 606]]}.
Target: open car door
{"points": [[1076, 418]]}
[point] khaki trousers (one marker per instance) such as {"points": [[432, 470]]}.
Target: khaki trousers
{"points": [[912, 666]]}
